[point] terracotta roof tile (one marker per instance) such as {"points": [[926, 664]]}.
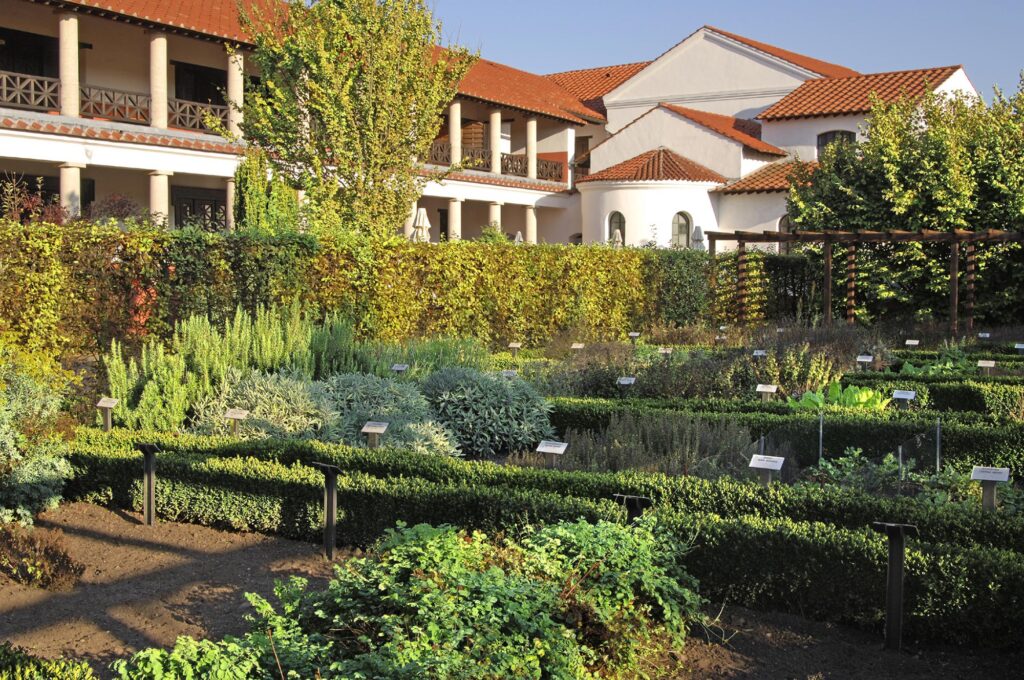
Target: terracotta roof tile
{"points": [[746, 132], [12, 121], [499, 84], [811, 64], [843, 96], [590, 85], [214, 18], [658, 165], [772, 177]]}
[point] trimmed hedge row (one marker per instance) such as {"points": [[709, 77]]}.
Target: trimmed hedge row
{"points": [[267, 496], [99, 456], [998, 399], [967, 439], [966, 595]]}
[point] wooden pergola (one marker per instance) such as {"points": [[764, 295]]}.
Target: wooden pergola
{"points": [[852, 239]]}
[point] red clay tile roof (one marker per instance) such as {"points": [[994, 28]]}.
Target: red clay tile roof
{"points": [[214, 18], [770, 178], [818, 66], [83, 129], [590, 85], [658, 165], [746, 132], [496, 83], [510, 181], [843, 96]]}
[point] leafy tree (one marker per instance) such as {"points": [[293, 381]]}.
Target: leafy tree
{"points": [[350, 95]]}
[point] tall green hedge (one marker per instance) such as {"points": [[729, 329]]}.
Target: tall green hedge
{"points": [[81, 285]]}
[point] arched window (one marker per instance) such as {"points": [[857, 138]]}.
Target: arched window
{"points": [[682, 229], [785, 227], [826, 138], [616, 221]]}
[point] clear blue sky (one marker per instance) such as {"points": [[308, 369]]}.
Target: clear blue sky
{"points": [[545, 36]]}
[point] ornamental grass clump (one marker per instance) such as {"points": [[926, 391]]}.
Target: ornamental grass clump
{"points": [[571, 600]]}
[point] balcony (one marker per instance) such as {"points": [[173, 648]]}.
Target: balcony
{"points": [[472, 157], [39, 93], [552, 171]]}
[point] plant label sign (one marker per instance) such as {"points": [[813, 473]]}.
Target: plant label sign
{"points": [[556, 448], [634, 335], [577, 346], [107, 402], [627, 380], [913, 343], [1019, 347], [515, 345], [904, 395], [665, 351], [760, 353], [990, 474], [509, 373], [865, 359], [373, 427], [773, 463], [400, 368], [984, 336], [767, 389], [236, 414], [986, 363]]}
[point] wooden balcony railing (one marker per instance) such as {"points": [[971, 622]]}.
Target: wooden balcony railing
{"points": [[37, 93], [116, 105], [440, 153], [552, 171], [514, 164], [194, 115], [476, 157]]}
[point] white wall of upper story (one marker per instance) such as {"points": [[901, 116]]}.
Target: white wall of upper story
{"points": [[749, 212], [660, 127], [799, 136], [958, 83], [648, 208], [710, 72]]}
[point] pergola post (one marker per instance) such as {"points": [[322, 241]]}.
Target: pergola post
{"points": [[741, 281], [971, 275], [851, 282], [826, 289], [954, 287]]}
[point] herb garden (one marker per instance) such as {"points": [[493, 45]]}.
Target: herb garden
{"points": [[475, 554]]}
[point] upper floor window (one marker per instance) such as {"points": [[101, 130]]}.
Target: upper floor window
{"points": [[826, 138], [199, 83], [682, 227], [616, 222], [28, 53]]}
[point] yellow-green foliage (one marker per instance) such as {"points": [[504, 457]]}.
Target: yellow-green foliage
{"points": [[726, 288]]}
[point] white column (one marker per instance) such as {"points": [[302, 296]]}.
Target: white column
{"points": [[410, 222], [494, 129], [494, 214], [158, 79], [570, 149], [229, 203], [160, 195], [531, 148], [531, 224], [455, 131], [69, 87], [236, 91], [454, 219], [71, 188]]}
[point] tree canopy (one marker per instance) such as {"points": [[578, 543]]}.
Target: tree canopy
{"points": [[350, 93]]}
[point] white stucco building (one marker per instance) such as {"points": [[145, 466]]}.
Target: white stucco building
{"points": [[102, 97]]}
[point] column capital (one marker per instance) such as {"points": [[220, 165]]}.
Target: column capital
{"points": [[160, 173], [80, 166]]}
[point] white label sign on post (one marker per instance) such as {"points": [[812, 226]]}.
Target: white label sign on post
{"points": [[509, 373], [984, 336], [400, 368], [1019, 346], [767, 389], [664, 351], [577, 346], [760, 353], [913, 343], [990, 474], [107, 402], [865, 359], [556, 448], [986, 363], [236, 414], [515, 345], [904, 395], [627, 380], [634, 335], [373, 427], [773, 463]]}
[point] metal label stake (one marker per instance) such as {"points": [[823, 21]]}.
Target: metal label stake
{"points": [[897, 534], [148, 452], [106, 406], [330, 505]]}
